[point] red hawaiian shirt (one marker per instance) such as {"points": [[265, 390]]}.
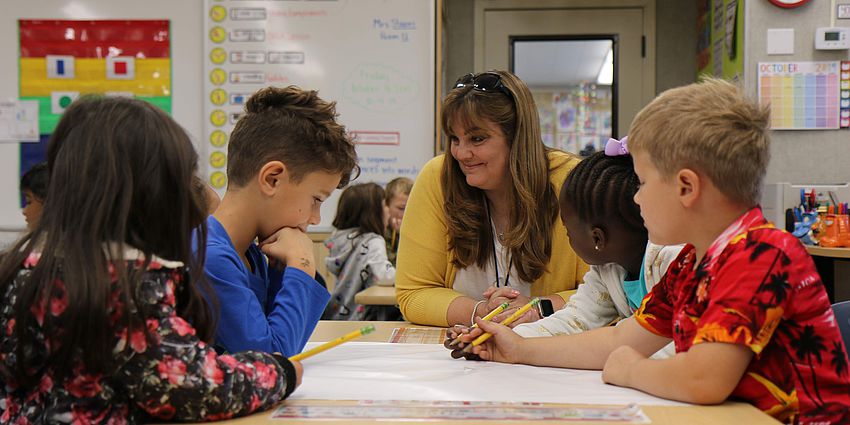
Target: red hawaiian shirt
{"points": [[758, 287]]}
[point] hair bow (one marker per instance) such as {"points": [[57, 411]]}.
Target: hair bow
{"points": [[616, 147]]}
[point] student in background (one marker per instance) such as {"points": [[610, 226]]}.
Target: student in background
{"points": [[486, 213], [358, 253], [742, 302], [107, 323], [606, 230], [34, 189], [395, 196], [286, 155]]}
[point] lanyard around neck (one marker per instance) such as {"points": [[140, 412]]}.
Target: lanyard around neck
{"points": [[495, 252]]}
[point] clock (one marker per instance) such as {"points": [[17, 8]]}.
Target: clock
{"points": [[789, 4]]}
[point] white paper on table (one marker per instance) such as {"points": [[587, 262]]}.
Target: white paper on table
{"points": [[383, 371]]}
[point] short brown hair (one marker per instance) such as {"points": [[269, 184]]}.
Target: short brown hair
{"points": [[361, 206], [293, 126], [710, 127], [397, 186]]}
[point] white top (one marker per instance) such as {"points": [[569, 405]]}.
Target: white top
{"points": [[473, 280], [601, 299]]}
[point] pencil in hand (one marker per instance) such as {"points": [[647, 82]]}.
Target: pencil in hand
{"points": [[502, 307], [331, 344], [512, 318]]}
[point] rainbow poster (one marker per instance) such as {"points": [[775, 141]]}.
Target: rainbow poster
{"points": [[63, 59], [801, 95]]}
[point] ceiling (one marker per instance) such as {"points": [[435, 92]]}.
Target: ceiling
{"points": [[546, 63]]}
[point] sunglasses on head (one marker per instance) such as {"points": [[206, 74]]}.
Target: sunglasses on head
{"points": [[485, 81]]}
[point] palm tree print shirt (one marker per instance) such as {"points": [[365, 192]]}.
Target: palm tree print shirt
{"points": [[758, 287]]}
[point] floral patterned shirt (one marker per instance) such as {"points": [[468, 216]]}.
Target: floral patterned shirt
{"points": [[757, 287], [171, 375]]}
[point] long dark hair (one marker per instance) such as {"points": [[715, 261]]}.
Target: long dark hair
{"points": [[361, 206], [121, 172]]}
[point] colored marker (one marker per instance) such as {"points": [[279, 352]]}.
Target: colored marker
{"points": [[331, 344], [502, 307], [517, 314]]}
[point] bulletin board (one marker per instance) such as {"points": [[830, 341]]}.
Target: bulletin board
{"points": [[720, 38], [375, 58]]}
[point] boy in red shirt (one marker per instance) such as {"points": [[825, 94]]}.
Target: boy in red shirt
{"points": [[743, 302]]}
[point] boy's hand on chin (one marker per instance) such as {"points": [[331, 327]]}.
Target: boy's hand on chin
{"points": [[290, 247]]}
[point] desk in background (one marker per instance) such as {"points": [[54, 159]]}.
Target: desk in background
{"points": [[833, 266], [376, 295], [727, 413]]}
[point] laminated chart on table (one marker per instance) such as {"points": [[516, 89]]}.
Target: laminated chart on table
{"points": [[801, 95]]}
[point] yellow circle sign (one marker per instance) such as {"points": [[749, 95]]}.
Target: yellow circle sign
{"points": [[217, 34], [218, 159], [218, 55], [218, 118], [218, 13], [218, 97], [218, 76], [218, 138], [218, 179]]}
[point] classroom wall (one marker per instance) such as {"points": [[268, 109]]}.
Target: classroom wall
{"points": [[675, 62], [186, 56], [798, 156]]}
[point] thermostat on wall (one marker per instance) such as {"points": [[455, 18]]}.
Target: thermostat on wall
{"points": [[832, 38]]}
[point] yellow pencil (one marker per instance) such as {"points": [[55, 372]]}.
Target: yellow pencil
{"points": [[517, 314], [331, 344], [502, 307]]}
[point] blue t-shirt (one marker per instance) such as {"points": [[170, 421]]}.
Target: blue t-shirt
{"points": [[636, 289], [261, 309]]}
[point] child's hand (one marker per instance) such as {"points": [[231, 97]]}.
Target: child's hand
{"points": [[504, 346], [299, 371], [619, 365], [291, 247], [394, 223], [457, 349]]}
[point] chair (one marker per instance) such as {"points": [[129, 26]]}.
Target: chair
{"points": [[842, 315]]}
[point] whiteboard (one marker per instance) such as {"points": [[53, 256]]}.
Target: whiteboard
{"points": [[338, 46], [376, 58]]}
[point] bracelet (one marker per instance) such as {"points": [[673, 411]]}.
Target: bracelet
{"points": [[474, 309]]}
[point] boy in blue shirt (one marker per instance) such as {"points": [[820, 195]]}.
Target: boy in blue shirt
{"points": [[285, 157]]}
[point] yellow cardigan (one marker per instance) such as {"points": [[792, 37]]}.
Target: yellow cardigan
{"points": [[425, 274]]}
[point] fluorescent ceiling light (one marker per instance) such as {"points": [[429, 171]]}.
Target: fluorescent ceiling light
{"points": [[606, 72]]}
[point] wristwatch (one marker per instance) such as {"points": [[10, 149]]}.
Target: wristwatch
{"points": [[544, 307]]}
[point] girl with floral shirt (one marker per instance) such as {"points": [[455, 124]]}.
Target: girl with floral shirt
{"points": [[105, 315]]}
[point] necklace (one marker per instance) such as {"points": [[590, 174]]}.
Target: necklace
{"points": [[501, 237]]}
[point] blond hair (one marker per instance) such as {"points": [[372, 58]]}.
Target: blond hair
{"points": [[397, 186], [710, 127], [532, 200]]}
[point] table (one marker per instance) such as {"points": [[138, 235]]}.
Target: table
{"points": [[726, 413], [376, 295], [833, 266]]}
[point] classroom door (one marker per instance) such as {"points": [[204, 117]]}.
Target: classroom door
{"points": [[500, 23]]}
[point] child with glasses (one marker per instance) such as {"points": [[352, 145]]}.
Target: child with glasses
{"points": [[484, 215], [742, 302]]}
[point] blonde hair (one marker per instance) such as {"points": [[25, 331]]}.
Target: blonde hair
{"points": [[710, 127], [397, 186], [532, 200]]}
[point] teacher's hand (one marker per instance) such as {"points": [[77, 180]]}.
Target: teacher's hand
{"points": [[515, 300]]}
